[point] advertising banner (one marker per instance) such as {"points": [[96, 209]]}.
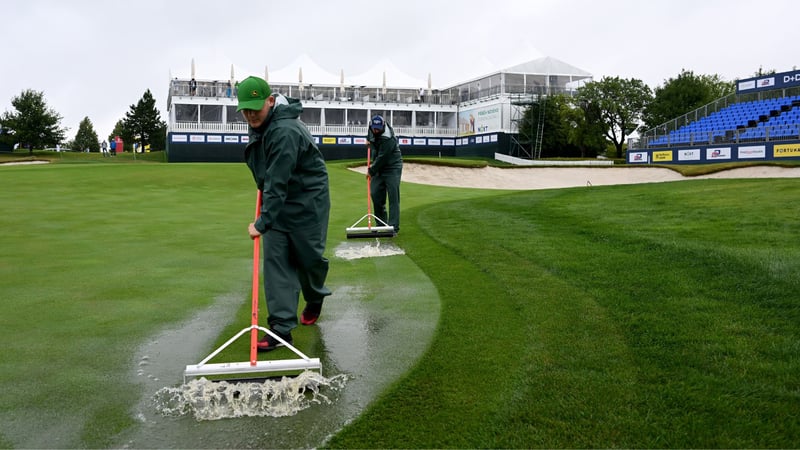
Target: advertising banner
{"points": [[479, 120], [662, 156], [718, 153], [771, 81], [637, 157], [692, 154], [752, 151], [786, 150]]}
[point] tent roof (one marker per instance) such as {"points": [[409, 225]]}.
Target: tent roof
{"points": [[548, 66], [395, 78], [312, 73]]}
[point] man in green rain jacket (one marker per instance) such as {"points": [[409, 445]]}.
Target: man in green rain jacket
{"points": [[385, 171], [290, 171]]}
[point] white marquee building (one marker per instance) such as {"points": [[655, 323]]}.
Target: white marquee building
{"points": [[477, 117]]}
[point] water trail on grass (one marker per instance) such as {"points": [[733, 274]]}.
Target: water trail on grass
{"points": [[366, 249], [213, 400]]}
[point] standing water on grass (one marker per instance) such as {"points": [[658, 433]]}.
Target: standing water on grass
{"points": [[366, 249], [212, 400], [372, 343]]}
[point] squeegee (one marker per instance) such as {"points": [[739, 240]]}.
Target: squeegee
{"points": [[380, 228], [254, 366]]}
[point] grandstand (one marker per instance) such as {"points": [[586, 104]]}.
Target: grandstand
{"points": [[760, 121], [470, 118]]}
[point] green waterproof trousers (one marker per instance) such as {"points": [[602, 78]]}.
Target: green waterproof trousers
{"points": [[383, 185], [293, 262]]}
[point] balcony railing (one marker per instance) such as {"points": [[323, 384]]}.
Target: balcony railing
{"points": [[319, 130], [209, 127]]}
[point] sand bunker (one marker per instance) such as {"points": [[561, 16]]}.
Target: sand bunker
{"points": [[561, 177]]}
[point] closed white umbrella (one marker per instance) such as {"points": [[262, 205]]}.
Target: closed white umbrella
{"points": [[266, 74], [430, 85], [192, 67], [300, 78]]}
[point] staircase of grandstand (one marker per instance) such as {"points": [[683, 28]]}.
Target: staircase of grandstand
{"points": [[772, 119]]}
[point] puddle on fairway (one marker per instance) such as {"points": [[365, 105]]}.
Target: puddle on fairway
{"points": [[366, 342], [370, 248]]}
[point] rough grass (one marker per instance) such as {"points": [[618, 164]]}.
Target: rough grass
{"points": [[661, 315]]}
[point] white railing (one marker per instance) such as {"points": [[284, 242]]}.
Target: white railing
{"points": [[334, 130], [356, 130], [319, 130], [210, 127]]}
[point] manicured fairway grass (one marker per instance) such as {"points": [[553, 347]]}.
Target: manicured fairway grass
{"points": [[97, 258], [94, 260], [661, 315], [653, 316]]}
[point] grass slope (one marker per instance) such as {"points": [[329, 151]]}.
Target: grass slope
{"points": [[658, 316]]}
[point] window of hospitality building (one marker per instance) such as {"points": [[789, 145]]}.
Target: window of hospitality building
{"points": [[401, 119], [424, 119], [357, 117], [186, 113], [334, 117], [211, 113], [234, 116], [311, 116]]}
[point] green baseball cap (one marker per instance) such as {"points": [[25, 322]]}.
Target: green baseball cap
{"points": [[253, 92]]}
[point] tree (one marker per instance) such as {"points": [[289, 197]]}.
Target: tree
{"points": [[86, 137], [553, 131], [33, 125], [620, 104], [565, 131], [586, 129], [143, 122], [684, 94]]}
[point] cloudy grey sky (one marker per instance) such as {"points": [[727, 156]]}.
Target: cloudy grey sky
{"points": [[96, 58]]}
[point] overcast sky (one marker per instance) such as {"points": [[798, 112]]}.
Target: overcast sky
{"points": [[96, 58]]}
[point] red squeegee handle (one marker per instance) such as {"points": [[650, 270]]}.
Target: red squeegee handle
{"points": [[254, 317], [369, 199]]}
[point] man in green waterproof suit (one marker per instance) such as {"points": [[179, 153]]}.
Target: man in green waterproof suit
{"points": [[290, 171], [385, 171]]}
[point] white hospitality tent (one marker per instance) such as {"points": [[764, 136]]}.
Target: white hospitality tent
{"points": [[305, 71], [385, 74]]}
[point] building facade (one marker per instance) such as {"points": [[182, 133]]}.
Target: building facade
{"points": [[477, 117]]}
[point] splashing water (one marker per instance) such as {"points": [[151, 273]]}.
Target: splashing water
{"points": [[213, 400], [366, 249]]}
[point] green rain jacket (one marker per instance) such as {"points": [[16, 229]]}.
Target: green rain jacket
{"points": [[386, 155], [289, 169]]}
